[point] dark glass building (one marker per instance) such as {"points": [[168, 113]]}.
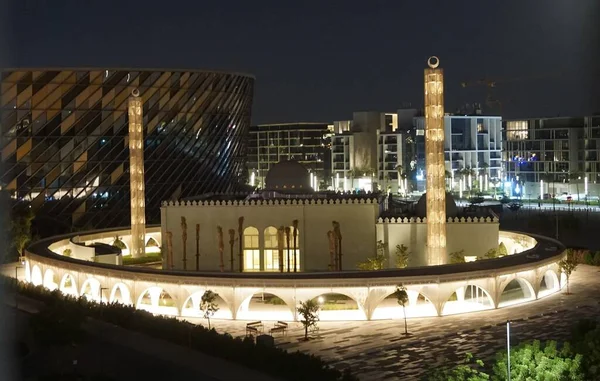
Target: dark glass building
{"points": [[64, 139]]}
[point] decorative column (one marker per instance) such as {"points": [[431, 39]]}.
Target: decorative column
{"points": [[434, 163], [136, 176]]}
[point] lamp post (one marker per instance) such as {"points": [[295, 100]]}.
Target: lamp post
{"points": [[508, 347], [17, 267]]}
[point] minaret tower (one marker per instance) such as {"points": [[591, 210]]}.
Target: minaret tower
{"points": [[434, 163], [136, 176]]}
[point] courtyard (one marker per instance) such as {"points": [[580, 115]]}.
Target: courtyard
{"points": [[377, 350]]}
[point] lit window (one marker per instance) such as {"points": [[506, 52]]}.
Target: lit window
{"points": [[271, 252], [251, 249], [517, 130]]}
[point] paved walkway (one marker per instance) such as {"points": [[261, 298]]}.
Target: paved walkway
{"points": [[377, 350]]}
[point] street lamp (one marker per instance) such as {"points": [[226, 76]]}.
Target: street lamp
{"points": [[508, 346]]}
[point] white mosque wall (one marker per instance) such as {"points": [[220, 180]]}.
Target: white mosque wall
{"points": [[357, 220], [476, 236]]}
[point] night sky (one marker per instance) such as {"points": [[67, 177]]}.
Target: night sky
{"points": [[322, 60]]}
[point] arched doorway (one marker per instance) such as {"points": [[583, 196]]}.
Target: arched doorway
{"points": [[68, 285], [36, 276], [91, 289], [418, 306], [271, 251], [516, 291], [264, 306], [191, 307], [157, 301], [334, 306], [50, 280], [549, 284], [120, 294], [468, 298]]}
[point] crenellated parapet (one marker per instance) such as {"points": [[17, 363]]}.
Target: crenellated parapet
{"points": [[451, 220], [345, 201]]}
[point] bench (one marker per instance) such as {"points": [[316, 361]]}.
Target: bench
{"points": [[254, 327], [280, 326], [251, 331]]}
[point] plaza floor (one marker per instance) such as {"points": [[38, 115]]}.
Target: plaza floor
{"points": [[378, 350]]}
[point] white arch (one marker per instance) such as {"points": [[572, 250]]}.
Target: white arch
{"points": [[552, 283], [243, 312], [154, 307], [36, 276], [27, 272], [125, 294], [526, 287], [480, 299], [224, 311], [94, 293], [337, 315], [70, 290], [49, 282], [390, 309]]}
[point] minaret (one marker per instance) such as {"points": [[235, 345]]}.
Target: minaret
{"points": [[136, 176], [434, 163]]}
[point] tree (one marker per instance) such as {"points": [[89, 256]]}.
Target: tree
{"points": [[118, 243], [280, 235], [241, 245], [309, 311], [467, 371], [540, 361], [197, 247], [457, 256], [576, 177], [331, 246], [568, 265], [586, 341], [231, 242], [184, 241], [373, 263], [208, 305], [221, 247], [20, 228], [502, 251], [338, 240], [170, 250], [295, 234], [402, 297], [402, 255], [287, 231]]}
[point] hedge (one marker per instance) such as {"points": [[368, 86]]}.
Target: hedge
{"points": [[269, 360]]}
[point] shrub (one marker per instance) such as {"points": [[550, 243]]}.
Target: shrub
{"points": [[502, 250], [588, 258], [67, 252], [273, 361], [457, 256], [402, 255], [596, 259]]}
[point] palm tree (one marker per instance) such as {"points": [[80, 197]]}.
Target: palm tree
{"points": [[575, 176], [184, 239], [231, 242], [331, 239], [197, 247], [241, 238], [338, 240], [287, 240], [170, 250], [280, 234], [221, 247], [295, 225]]}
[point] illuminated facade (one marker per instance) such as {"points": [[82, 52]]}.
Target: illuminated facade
{"points": [[434, 163], [136, 175], [65, 147]]}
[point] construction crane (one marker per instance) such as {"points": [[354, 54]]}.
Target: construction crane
{"points": [[491, 84]]}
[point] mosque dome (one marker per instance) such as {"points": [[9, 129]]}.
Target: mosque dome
{"points": [[288, 176], [451, 209]]}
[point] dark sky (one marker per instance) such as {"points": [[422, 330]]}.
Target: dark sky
{"points": [[322, 60]]}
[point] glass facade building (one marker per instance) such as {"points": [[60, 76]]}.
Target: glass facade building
{"points": [[64, 139]]}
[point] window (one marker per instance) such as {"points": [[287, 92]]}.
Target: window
{"points": [[271, 252], [517, 130], [251, 249]]}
